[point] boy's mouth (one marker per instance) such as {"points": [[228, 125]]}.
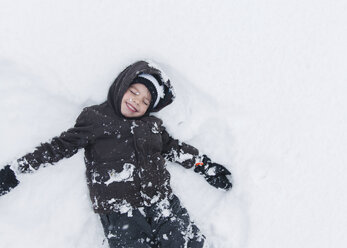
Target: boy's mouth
{"points": [[131, 107]]}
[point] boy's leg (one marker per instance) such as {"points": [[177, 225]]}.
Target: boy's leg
{"points": [[123, 231], [172, 226]]}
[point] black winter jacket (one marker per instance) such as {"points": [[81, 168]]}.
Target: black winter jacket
{"points": [[125, 158]]}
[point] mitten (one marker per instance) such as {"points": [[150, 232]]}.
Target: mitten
{"points": [[8, 180], [215, 174]]}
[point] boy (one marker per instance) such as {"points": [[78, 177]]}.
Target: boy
{"points": [[125, 152]]}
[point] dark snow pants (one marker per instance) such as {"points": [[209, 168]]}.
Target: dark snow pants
{"points": [[165, 224]]}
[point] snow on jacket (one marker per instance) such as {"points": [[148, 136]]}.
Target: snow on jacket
{"points": [[124, 157]]}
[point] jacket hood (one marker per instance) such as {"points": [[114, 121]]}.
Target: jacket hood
{"points": [[125, 78]]}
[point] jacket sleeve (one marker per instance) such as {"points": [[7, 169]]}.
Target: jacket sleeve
{"points": [[63, 146], [179, 152]]}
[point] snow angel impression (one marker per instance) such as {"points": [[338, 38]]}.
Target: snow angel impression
{"points": [[125, 151]]}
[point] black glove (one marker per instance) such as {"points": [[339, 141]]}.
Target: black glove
{"points": [[8, 180], [215, 174]]}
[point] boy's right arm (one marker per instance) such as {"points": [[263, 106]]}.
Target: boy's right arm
{"points": [[64, 146]]}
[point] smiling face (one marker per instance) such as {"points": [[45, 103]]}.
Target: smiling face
{"points": [[135, 101]]}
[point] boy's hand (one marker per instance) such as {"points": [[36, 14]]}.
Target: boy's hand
{"points": [[215, 174], [8, 180]]}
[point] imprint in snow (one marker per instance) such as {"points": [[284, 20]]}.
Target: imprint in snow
{"points": [[124, 176]]}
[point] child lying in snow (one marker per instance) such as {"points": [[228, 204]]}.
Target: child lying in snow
{"points": [[125, 152]]}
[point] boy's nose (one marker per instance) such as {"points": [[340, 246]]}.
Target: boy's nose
{"points": [[135, 100]]}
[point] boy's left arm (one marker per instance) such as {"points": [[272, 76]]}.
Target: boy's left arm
{"points": [[188, 156]]}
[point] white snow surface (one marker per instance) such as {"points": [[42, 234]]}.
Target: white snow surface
{"points": [[123, 176], [261, 88]]}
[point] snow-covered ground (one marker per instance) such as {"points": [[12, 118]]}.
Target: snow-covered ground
{"points": [[261, 87]]}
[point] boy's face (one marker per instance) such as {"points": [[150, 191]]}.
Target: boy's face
{"points": [[135, 101]]}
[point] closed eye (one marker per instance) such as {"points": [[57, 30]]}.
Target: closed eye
{"points": [[135, 93]]}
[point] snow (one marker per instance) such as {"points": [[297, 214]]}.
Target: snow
{"points": [[260, 87], [123, 176], [155, 128], [133, 125], [154, 65]]}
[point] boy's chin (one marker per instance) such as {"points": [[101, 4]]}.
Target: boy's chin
{"points": [[132, 115]]}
